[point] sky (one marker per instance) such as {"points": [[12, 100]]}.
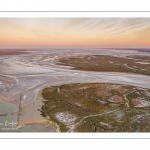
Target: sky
{"points": [[75, 32]]}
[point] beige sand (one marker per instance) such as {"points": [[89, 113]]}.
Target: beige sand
{"points": [[144, 63], [30, 115]]}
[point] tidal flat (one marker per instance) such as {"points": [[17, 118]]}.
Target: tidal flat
{"points": [[23, 76]]}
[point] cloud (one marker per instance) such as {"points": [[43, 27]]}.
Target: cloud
{"points": [[74, 30], [75, 22], [42, 34]]}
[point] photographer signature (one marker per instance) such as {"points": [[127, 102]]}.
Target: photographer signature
{"points": [[7, 123]]}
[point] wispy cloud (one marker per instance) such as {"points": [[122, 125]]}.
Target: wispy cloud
{"points": [[74, 31]]}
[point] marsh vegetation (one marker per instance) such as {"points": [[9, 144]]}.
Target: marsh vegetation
{"points": [[97, 107], [105, 63]]}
